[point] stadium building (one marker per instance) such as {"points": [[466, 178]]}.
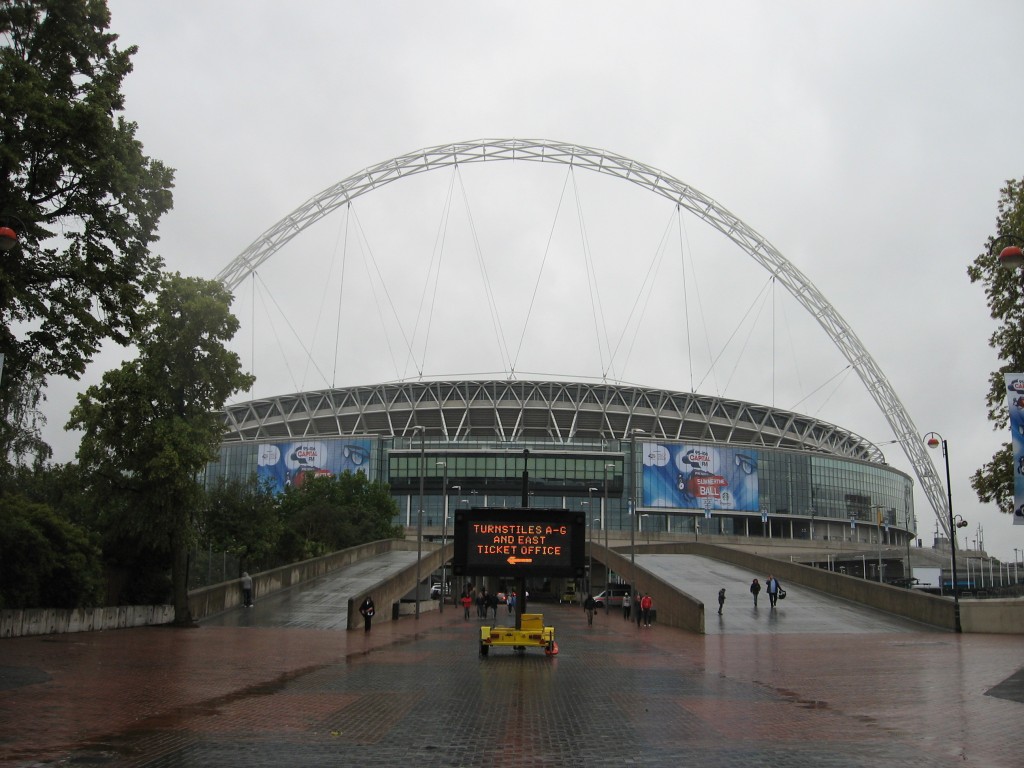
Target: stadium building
{"points": [[689, 463]]}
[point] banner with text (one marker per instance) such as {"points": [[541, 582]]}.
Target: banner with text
{"points": [[693, 476], [286, 465]]}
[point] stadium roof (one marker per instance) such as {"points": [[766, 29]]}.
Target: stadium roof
{"points": [[509, 411]]}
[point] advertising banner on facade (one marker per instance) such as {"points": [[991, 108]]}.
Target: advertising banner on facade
{"points": [[694, 476], [1015, 401], [285, 465]]}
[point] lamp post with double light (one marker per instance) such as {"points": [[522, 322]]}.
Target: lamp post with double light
{"points": [[588, 584], [604, 514], [444, 535], [934, 440], [878, 519], [590, 520], [419, 517], [634, 504]]}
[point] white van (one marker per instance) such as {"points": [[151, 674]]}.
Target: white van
{"points": [[613, 595]]}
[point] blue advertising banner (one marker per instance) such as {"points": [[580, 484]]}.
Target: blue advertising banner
{"points": [[1015, 401], [286, 465], [694, 476]]}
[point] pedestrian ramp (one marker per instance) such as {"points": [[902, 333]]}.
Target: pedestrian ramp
{"points": [[803, 611], [321, 603]]}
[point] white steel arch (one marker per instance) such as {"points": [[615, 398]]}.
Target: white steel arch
{"points": [[657, 181]]}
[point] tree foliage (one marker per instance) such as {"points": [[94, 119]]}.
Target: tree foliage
{"points": [[241, 518], [1004, 292], [81, 194], [326, 514], [45, 560], [152, 425]]}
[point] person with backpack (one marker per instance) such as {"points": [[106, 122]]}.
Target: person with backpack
{"points": [[772, 587], [367, 610]]}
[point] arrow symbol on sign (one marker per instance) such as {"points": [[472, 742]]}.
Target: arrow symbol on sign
{"points": [[513, 560]]}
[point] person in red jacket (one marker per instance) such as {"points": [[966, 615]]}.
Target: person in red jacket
{"points": [[645, 609]]}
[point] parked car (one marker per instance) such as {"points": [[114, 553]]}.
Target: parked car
{"points": [[613, 595]]}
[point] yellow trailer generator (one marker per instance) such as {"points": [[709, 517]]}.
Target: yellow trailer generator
{"points": [[533, 634]]}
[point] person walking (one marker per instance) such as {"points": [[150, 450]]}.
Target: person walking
{"points": [[492, 604], [646, 603], [772, 587], [367, 610], [589, 605], [625, 606], [467, 602], [755, 590], [511, 602], [636, 609], [721, 600], [246, 582]]}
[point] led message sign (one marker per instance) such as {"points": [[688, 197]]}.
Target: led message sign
{"points": [[519, 542]]}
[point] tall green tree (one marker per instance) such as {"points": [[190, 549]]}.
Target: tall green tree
{"points": [[82, 196], [1004, 291], [152, 425]]}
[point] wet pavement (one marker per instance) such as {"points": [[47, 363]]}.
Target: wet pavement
{"points": [[416, 692]]}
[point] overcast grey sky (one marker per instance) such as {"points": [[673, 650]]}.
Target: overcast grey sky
{"points": [[867, 141]]}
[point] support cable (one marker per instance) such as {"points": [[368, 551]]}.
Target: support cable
{"points": [[492, 304], [543, 263], [341, 297]]}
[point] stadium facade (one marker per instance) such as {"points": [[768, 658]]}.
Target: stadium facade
{"points": [[688, 463]]}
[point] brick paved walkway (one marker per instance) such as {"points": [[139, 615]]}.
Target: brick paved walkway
{"points": [[416, 693]]}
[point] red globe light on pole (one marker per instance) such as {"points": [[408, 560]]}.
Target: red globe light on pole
{"points": [[8, 238], [1011, 257]]}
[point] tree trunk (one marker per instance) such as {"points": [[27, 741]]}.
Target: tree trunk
{"points": [[179, 577]]}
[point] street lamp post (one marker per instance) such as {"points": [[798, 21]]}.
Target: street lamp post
{"points": [[934, 439], [590, 554], [878, 519], [590, 514], [419, 518], [444, 535], [604, 514], [634, 505], [590, 575], [641, 521]]}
